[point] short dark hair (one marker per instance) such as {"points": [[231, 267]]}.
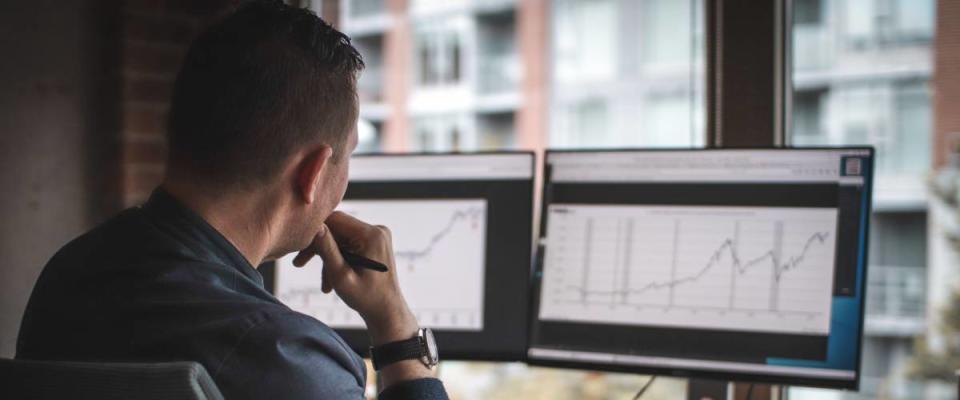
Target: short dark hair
{"points": [[254, 87]]}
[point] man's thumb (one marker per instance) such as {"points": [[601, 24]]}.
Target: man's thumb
{"points": [[334, 266]]}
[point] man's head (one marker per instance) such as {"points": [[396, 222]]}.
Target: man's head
{"points": [[266, 100]]}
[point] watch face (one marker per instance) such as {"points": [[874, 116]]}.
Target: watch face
{"points": [[431, 355]]}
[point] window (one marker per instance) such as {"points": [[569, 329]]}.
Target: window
{"points": [[663, 41], [439, 133], [362, 8], [807, 117], [370, 85], [910, 153], [914, 19], [584, 39], [883, 23], [610, 92], [438, 55], [871, 87], [499, 69], [808, 12]]}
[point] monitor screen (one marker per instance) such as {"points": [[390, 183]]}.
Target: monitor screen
{"points": [[462, 240], [728, 264]]}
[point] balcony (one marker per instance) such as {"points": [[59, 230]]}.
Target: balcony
{"points": [[365, 17], [498, 73], [812, 49], [896, 301]]}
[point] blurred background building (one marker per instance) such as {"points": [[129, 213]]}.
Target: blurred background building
{"points": [[862, 74], [626, 73]]}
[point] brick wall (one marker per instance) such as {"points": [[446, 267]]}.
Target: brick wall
{"points": [[946, 80], [155, 35]]}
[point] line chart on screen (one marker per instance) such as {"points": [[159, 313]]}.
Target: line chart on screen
{"points": [[439, 249], [767, 269]]}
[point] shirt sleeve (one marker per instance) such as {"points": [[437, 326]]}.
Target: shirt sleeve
{"points": [[420, 389], [291, 358]]}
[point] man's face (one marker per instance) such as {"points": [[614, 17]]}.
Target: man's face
{"points": [[329, 193], [332, 192]]}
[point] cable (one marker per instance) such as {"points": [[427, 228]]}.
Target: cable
{"points": [[749, 392], [645, 387]]}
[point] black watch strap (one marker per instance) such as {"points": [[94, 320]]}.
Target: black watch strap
{"points": [[390, 353]]}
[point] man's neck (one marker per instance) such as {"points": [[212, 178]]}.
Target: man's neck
{"points": [[242, 219]]}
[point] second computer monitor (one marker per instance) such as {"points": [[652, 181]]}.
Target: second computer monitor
{"points": [[732, 264], [462, 239]]}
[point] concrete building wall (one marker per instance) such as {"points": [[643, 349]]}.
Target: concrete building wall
{"points": [[86, 87], [54, 158]]}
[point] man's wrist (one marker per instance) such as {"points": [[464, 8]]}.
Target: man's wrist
{"points": [[399, 326]]}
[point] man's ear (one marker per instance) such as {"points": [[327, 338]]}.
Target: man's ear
{"points": [[310, 171]]}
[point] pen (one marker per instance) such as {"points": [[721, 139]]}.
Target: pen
{"points": [[357, 260]]}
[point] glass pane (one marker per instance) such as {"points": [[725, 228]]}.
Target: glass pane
{"points": [[469, 75], [611, 92], [862, 72], [362, 8]]}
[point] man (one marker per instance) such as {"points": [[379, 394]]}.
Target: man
{"points": [[262, 122]]}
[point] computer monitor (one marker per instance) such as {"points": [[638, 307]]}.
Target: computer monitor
{"points": [[728, 264], [463, 242]]}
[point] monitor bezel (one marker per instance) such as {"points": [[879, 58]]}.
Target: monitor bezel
{"points": [[270, 281], [783, 379]]}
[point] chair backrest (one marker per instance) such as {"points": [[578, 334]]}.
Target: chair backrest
{"points": [[21, 379]]}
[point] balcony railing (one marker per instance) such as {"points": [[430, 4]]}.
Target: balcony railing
{"points": [[498, 73], [370, 84], [365, 8], [896, 299], [812, 49]]}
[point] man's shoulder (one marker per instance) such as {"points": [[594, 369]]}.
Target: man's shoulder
{"points": [[125, 234]]}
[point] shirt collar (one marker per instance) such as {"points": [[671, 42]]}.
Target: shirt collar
{"points": [[202, 237]]}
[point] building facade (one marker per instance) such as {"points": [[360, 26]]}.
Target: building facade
{"points": [[528, 74]]}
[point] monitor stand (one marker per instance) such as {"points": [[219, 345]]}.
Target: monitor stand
{"points": [[705, 389]]}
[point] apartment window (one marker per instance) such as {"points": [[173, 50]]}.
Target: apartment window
{"points": [[584, 124], [912, 130], [860, 20], [607, 91], [368, 136], [499, 64], [439, 133], [886, 23], [914, 19], [585, 41], [663, 41], [808, 12], [807, 117], [371, 83], [438, 55], [363, 8], [495, 131]]}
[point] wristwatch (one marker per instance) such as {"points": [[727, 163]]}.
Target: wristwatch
{"points": [[423, 347]]}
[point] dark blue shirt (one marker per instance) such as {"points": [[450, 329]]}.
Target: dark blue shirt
{"points": [[157, 283]]}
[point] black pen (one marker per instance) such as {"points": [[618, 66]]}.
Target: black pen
{"points": [[357, 260]]}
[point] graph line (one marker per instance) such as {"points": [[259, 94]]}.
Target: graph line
{"points": [[740, 266], [413, 255]]}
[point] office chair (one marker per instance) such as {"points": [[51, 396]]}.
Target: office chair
{"points": [[21, 379]]}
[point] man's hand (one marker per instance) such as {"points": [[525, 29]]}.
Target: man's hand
{"points": [[374, 295]]}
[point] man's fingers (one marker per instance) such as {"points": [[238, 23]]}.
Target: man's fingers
{"points": [[325, 285], [348, 228], [303, 256], [335, 268]]}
